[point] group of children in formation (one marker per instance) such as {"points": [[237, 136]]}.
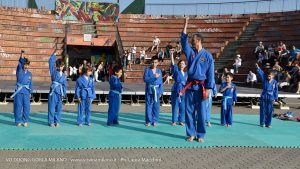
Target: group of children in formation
{"points": [[191, 96]]}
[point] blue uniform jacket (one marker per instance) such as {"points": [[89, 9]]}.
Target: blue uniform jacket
{"points": [[55, 77], [229, 92], [115, 84], [179, 79], [23, 77], [85, 88], [200, 65], [270, 88], [151, 80]]}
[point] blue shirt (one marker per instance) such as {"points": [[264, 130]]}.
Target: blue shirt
{"points": [[179, 78], [151, 80], [85, 88], [56, 77], [270, 88], [115, 84], [200, 65], [24, 77], [231, 92]]}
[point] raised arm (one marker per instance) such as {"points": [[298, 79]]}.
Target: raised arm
{"points": [[20, 64], [260, 73], [184, 40], [52, 61], [172, 57]]}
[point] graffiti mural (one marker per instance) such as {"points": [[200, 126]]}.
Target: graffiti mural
{"points": [[86, 11]]}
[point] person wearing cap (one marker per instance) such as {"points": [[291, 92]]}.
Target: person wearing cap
{"points": [[237, 63]]}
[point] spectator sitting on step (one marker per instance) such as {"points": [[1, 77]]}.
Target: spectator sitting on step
{"points": [[168, 49], [178, 50], [284, 57], [280, 47], [156, 43], [161, 55], [166, 76], [286, 79], [251, 78], [133, 54], [293, 54], [237, 63], [259, 49]]}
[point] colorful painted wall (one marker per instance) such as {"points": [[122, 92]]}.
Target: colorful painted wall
{"points": [[86, 11]]}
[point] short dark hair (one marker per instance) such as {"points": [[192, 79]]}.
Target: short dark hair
{"points": [[179, 62], [117, 68], [85, 69], [27, 62], [272, 73], [155, 57], [199, 36], [60, 63], [229, 74]]}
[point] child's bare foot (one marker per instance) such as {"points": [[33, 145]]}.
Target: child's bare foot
{"points": [[155, 124], [18, 124], [182, 124], [200, 140], [190, 139], [173, 124], [57, 125], [147, 124], [25, 124], [51, 125], [208, 124]]}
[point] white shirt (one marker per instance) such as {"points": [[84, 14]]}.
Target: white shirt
{"points": [[133, 50], [74, 70], [142, 53], [251, 77], [238, 62], [129, 56], [156, 41]]}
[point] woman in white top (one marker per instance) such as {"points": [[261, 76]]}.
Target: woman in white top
{"points": [[237, 63]]}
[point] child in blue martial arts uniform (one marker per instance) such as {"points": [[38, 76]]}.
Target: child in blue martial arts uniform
{"points": [[268, 96], [114, 96], [200, 66], [228, 89], [57, 90], [212, 93], [85, 92], [23, 92], [178, 102], [153, 92]]}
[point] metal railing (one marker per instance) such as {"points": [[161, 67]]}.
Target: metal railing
{"points": [[219, 8]]}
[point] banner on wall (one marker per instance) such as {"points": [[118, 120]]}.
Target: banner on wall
{"points": [[86, 11]]}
